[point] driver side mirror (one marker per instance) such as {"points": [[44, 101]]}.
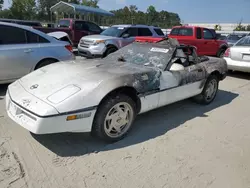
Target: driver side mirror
{"points": [[125, 35]]}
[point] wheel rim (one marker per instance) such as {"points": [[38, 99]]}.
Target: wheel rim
{"points": [[211, 90], [118, 120]]}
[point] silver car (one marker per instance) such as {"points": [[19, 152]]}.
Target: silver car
{"points": [[24, 49], [114, 38], [238, 56]]}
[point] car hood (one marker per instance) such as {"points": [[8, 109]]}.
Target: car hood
{"points": [[98, 37], [80, 77]]}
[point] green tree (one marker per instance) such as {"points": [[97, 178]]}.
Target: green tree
{"points": [[1, 4], [6, 13], [151, 14], [23, 9], [217, 27], [240, 27], [90, 3], [248, 28]]}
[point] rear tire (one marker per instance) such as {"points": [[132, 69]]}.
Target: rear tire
{"points": [[209, 91], [114, 118], [44, 63]]}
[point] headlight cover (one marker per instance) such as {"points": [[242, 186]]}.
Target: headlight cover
{"points": [[63, 94], [98, 42]]}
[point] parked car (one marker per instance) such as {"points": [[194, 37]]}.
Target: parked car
{"points": [[233, 38], [114, 38], [203, 39], [22, 22], [104, 96], [238, 56], [76, 29], [24, 49]]}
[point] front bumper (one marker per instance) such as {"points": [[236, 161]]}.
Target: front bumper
{"points": [[234, 65], [55, 123], [92, 51]]}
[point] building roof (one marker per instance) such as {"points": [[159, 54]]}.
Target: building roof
{"points": [[74, 8]]}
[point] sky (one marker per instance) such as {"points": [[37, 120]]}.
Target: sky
{"points": [[198, 11]]}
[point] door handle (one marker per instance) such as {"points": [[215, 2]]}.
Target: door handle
{"points": [[28, 51]]}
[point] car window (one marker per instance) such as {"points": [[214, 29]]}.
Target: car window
{"points": [[243, 42], [198, 33], [113, 31], [12, 35], [132, 31], [34, 38], [174, 31], [159, 32], [144, 32], [182, 31], [64, 23], [79, 25], [207, 34], [233, 37], [93, 27]]}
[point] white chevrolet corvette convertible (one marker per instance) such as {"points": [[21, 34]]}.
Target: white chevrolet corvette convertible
{"points": [[105, 96]]}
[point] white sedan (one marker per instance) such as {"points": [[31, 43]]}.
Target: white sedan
{"points": [[238, 56]]}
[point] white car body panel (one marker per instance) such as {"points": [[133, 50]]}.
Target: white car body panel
{"points": [[54, 124], [236, 65]]}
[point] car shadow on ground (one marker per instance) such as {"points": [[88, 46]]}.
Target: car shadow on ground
{"points": [[3, 89], [147, 126], [239, 75]]}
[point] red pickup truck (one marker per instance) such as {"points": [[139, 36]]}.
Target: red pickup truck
{"points": [[202, 38], [76, 29]]}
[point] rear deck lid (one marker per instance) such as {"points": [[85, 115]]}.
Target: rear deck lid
{"points": [[241, 50]]}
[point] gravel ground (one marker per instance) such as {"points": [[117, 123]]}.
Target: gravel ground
{"points": [[179, 146]]}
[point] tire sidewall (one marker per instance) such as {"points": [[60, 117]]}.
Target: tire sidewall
{"points": [[103, 109], [210, 78], [221, 52], [109, 51], [44, 63]]}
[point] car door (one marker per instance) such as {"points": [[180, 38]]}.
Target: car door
{"points": [[14, 53], [209, 43], [132, 32], [80, 29], [241, 50], [176, 85]]}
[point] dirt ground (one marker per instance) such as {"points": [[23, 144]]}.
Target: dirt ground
{"points": [[183, 145]]}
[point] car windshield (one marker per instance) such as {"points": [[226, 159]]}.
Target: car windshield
{"points": [[244, 41], [113, 31], [152, 55]]}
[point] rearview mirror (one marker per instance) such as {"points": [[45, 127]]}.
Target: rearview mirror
{"points": [[125, 35]]}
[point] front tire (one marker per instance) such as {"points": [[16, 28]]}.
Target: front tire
{"points": [[209, 91], [114, 118], [109, 51]]}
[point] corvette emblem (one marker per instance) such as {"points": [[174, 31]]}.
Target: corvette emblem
{"points": [[34, 86], [26, 102]]}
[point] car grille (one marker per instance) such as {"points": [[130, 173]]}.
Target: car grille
{"points": [[86, 43]]}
